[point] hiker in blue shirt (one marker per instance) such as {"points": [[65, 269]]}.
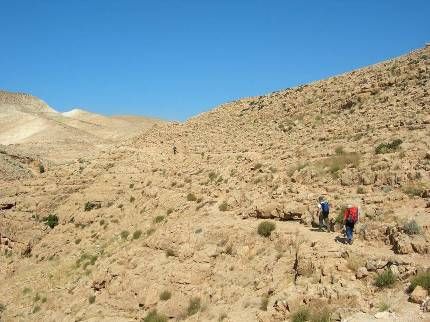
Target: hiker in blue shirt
{"points": [[323, 212]]}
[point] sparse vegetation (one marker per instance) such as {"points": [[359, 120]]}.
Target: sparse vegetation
{"points": [[85, 260], [264, 302], [388, 147], [150, 231], [36, 309], [339, 218], [339, 150], [191, 197], [194, 306], [212, 175], [302, 315], [124, 234], [165, 295], [385, 279], [170, 252], [41, 168], [90, 205], [339, 162], [360, 190], [383, 306], [51, 221], [91, 299], [411, 227], [153, 316], [257, 166], [414, 190], [137, 234], [223, 206], [354, 262], [265, 228], [2, 307], [159, 219], [132, 199], [317, 314], [26, 290], [422, 279]]}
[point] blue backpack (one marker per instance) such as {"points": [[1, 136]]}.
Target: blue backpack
{"points": [[325, 207]]}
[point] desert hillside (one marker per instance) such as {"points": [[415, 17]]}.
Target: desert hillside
{"points": [[30, 123], [226, 228]]}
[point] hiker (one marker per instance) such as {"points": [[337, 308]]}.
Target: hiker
{"points": [[323, 212], [175, 150], [350, 218]]}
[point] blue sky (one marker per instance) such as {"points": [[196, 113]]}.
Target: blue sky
{"points": [[176, 58]]}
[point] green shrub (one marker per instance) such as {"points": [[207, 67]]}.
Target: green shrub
{"points": [[388, 147], [212, 175], [51, 221], [264, 302], [321, 315], [165, 295], [91, 299], [36, 309], [153, 316], [383, 306], [169, 211], [2, 307], [414, 190], [360, 190], [422, 279], [26, 290], [265, 228], [41, 168], [339, 150], [194, 306], [385, 279], [257, 166], [124, 234], [223, 206], [170, 252], [340, 217], [90, 205], [86, 260], [302, 315], [132, 199], [191, 197], [158, 219], [412, 227], [339, 162], [137, 234]]}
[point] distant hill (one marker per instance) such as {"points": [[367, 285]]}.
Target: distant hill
{"points": [[25, 119]]}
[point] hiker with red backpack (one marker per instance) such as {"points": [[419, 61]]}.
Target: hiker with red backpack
{"points": [[350, 218]]}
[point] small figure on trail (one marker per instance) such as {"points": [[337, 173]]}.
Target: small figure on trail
{"points": [[174, 149], [323, 212], [350, 218]]}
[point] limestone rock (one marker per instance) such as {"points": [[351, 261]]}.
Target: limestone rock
{"points": [[418, 295], [361, 272]]}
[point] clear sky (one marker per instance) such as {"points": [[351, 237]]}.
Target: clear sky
{"points": [[176, 58]]}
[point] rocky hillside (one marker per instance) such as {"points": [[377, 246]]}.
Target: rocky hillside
{"points": [[137, 232]]}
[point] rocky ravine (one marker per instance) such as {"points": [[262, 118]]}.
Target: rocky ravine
{"points": [[141, 229]]}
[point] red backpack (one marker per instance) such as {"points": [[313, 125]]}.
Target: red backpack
{"points": [[351, 215]]}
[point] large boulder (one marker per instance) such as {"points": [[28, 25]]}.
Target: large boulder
{"points": [[418, 295]]}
